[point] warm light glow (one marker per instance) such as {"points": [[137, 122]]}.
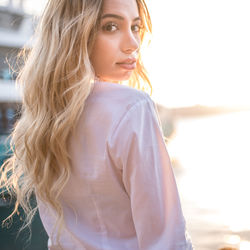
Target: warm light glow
{"points": [[232, 239], [200, 52], [214, 155], [245, 245]]}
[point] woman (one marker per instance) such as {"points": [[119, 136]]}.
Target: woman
{"points": [[91, 149]]}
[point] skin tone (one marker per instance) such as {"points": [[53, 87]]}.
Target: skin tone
{"points": [[117, 43]]}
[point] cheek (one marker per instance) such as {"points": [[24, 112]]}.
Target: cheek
{"points": [[104, 54]]}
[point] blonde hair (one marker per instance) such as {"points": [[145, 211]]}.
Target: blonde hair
{"points": [[55, 84]]}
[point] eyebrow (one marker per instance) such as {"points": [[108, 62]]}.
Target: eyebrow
{"points": [[118, 17]]}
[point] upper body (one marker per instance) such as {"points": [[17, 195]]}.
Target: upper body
{"points": [[122, 193], [93, 153]]}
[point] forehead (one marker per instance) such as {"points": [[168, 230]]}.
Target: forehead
{"points": [[121, 7]]}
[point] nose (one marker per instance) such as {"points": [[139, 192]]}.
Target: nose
{"points": [[131, 42]]}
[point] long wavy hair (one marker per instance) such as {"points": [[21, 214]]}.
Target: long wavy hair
{"points": [[55, 84]]}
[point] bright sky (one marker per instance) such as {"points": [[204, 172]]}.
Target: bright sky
{"points": [[200, 51]]}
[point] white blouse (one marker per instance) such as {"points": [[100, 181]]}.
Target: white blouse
{"points": [[122, 193]]}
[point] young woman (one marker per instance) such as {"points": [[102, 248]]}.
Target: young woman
{"points": [[90, 148]]}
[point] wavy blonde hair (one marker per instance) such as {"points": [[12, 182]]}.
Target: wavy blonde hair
{"points": [[55, 84]]}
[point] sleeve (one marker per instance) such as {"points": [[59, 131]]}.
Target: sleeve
{"points": [[139, 150]]}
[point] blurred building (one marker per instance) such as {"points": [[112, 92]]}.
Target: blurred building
{"points": [[16, 29]]}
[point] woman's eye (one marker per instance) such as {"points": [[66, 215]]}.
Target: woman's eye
{"points": [[110, 27], [136, 28]]}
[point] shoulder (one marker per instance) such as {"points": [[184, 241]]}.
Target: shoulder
{"points": [[117, 98], [113, 105]]}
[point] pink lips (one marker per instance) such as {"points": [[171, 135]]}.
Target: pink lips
{"points": [[129, 64]]}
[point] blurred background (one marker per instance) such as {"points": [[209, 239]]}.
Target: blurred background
{"points": [[199, 65]]}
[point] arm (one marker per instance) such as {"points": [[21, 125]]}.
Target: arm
{"points": [[148, 178]]}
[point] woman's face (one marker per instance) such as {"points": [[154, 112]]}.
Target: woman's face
{"points": [[117, 42]]}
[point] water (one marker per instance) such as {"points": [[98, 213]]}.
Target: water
{"points": [[211, 158]]}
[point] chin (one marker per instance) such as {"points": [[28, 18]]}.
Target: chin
{"points": [[125, 77], [115, 79]]}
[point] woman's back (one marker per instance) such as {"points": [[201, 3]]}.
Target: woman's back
{"points": [[104, 201]]}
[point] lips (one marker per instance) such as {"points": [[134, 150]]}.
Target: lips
{"points": [[128, 64]]}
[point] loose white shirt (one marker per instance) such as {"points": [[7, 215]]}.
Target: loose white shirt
{"points": [[122, 193]]}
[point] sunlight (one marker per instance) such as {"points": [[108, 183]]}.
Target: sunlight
{"points": [[245, 245], [232, 239], [214, 155], [200, 52]]}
